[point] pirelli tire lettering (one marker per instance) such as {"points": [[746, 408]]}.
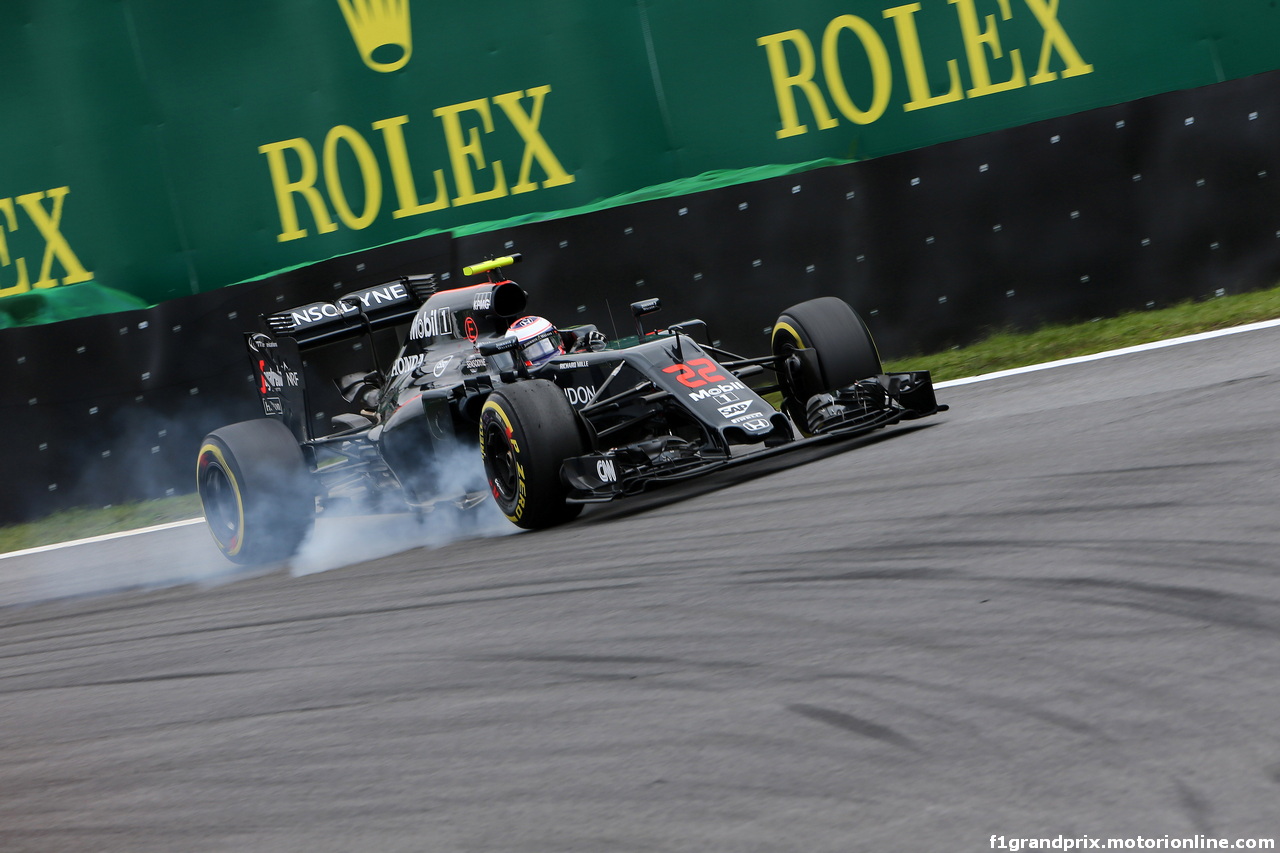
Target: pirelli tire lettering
{"points": [[500, 450]]}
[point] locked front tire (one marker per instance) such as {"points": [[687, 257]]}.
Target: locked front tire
{"points": [[821, 345], [257, 491], [527, 430]]}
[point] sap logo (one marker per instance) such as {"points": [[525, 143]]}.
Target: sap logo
{"points": [[716, 391], [431, 324], [735, 409], [580, 395], [605, 471]]}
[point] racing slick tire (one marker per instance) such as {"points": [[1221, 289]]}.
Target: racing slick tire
{"points": [[527, 430], [257, 491], [842, 351]]}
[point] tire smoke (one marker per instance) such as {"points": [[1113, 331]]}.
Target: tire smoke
{"points": [[465, 511]]}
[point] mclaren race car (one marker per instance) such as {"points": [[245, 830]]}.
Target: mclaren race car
{"points": [[559, 417]]}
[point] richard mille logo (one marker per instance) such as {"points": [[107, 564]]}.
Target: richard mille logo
{"points": [[380, 29]]}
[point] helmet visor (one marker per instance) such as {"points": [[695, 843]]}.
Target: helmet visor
{"points": [[542, 348]]}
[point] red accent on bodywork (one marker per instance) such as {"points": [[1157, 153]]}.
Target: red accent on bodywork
{"points": [[413, 399]]}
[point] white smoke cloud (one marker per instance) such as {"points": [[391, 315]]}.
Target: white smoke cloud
{"points": [[182, 553], [342, 541]]}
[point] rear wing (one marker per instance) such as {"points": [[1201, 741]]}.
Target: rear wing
{"points": [[354, 313], [276, 355]]}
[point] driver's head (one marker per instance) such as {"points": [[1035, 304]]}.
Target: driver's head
{"points": [[539, 340]]}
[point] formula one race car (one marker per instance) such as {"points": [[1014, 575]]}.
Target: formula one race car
{"points": [[558, 417]]}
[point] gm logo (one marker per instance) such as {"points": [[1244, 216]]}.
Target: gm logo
{"points": [[380, 29]]}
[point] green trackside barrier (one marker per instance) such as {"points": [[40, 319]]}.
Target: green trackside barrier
{"points": [[161, 149]]}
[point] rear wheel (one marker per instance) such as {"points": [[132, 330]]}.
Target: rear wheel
{"points": [[824, 345], [527, 430], [257, 491]]}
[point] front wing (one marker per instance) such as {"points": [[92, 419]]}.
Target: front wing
{"points": [[856, 410]]}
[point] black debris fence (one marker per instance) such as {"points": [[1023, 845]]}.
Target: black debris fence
{"points": [[108, 409], [1127, 207]]}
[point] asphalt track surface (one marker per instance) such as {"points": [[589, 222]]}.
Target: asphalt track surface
{"points": [[1053, 610]]}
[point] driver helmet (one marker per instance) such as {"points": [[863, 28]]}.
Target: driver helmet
{"points": [[538, 339]]}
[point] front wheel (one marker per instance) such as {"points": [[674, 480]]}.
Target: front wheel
{"points": [[257, 491], [527, 430], [822, 345]]}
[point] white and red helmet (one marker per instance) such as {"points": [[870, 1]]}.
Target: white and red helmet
{"points": [[538, 339]]}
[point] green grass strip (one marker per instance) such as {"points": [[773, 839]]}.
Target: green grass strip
{"points": [[1003, 350], [83, 522]]}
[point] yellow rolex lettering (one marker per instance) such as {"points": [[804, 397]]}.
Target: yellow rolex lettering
{"points": [[922, 97], [305, 186], [785, 83], [343, 183], [978, 41], [1057, 41], [877, 56], [402, 173], [993, 66], [10, 224], [535, 146], [369, 176], [49, 223], [464, 154]]}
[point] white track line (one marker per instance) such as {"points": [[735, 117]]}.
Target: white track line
{"points": [[950, 383], [106, 537], [1098, 356]]}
